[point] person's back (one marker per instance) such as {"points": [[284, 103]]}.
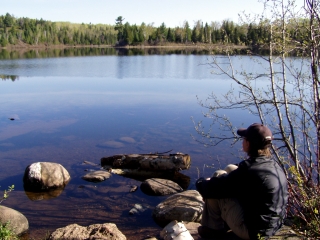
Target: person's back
{"points": [[263, 195], [251, 199]]}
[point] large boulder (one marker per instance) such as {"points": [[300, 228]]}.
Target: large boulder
{"points": [[186, 206], [96, 231], [45, 175], [17, 222], [159, 187]]}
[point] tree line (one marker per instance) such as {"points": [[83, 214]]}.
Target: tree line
{"points": [[34, 31]]}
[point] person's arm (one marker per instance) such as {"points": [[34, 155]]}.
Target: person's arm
{"points": [[215, 187], [219, 187]]}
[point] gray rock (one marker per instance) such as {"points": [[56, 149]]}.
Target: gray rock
{"points": [[159, 187], [175, 231], [107, 231], [186, 206], [96, 176], [18, 223], [193, 229], [133, 188], [45, 175], [138, 208]]}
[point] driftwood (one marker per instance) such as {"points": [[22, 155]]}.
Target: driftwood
{"points": [[149, 162]]}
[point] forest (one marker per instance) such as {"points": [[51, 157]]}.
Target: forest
{"points": [[35, 32]]}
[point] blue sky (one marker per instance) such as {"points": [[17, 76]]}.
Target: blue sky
{"points": [[172, 12]]}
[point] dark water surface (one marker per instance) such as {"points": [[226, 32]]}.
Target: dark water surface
{"points": [[67, 109]]}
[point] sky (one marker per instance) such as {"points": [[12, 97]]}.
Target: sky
{"points": [[171, 12]]}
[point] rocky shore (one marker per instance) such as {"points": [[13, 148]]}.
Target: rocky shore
{"points": [[179, 214]]}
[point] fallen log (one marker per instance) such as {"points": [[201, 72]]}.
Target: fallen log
{"points": [[153, 162]]}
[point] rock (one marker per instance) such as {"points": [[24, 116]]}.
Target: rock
{"points": [[91, 163], [96, 176], [18, 223], [138, 208], [45, 175], [96, 231], [133, 188], [127, 140], [159, 187], [175, 230], [192, 228], [111, 144], [185, 206]]}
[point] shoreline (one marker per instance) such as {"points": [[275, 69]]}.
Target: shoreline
{"points": [[202, 46]]}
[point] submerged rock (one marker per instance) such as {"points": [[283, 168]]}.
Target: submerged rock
{"points": [[186, 206], [159, 187], [111, 144], [45, 175], [18, 223], [127, 140], [138, 208], [96, 231], [96, 176], [133, 188]]}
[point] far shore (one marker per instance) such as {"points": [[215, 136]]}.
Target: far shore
{"points": [[201, 46]]}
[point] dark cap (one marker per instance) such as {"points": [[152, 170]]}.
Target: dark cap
{"points": [[257, 134]]}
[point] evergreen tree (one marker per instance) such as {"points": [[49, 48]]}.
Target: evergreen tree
{"points": [[194, 35], [8, 20], [119, 27], [187, 32], [3, 41], [128, 35], [170, 36]]}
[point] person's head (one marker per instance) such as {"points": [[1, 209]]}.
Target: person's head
{"points": [[256, 139]]}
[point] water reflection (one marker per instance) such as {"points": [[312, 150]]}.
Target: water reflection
{"points": [[108, 51], [9, 77], [43, 195], [68, 110]]}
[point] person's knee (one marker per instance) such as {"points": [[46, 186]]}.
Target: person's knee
{"points": [[229, 168], [219, 173]]}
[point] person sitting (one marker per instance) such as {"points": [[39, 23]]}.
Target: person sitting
{"points": [[250, 199]]}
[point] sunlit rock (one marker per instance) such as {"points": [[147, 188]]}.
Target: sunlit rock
{"points": [[185, 206], [95, 231], [18, 223], [96, 176], [138, 208], [159, 187], [45, 175], [175, 231]]}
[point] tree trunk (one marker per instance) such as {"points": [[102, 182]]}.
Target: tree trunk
{"points": [[152, 162]]}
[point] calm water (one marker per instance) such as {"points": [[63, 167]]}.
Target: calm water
{"points": [[67, 109]]}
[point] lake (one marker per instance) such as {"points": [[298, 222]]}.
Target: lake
{"points": [[68, 108]]}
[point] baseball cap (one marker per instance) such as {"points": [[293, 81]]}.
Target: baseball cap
{"points": [[257, 134]]}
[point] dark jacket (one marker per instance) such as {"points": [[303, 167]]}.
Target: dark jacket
{"points": [[261, 187]]}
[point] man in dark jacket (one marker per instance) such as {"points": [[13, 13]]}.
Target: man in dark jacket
{"points": [[251, 199]]}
